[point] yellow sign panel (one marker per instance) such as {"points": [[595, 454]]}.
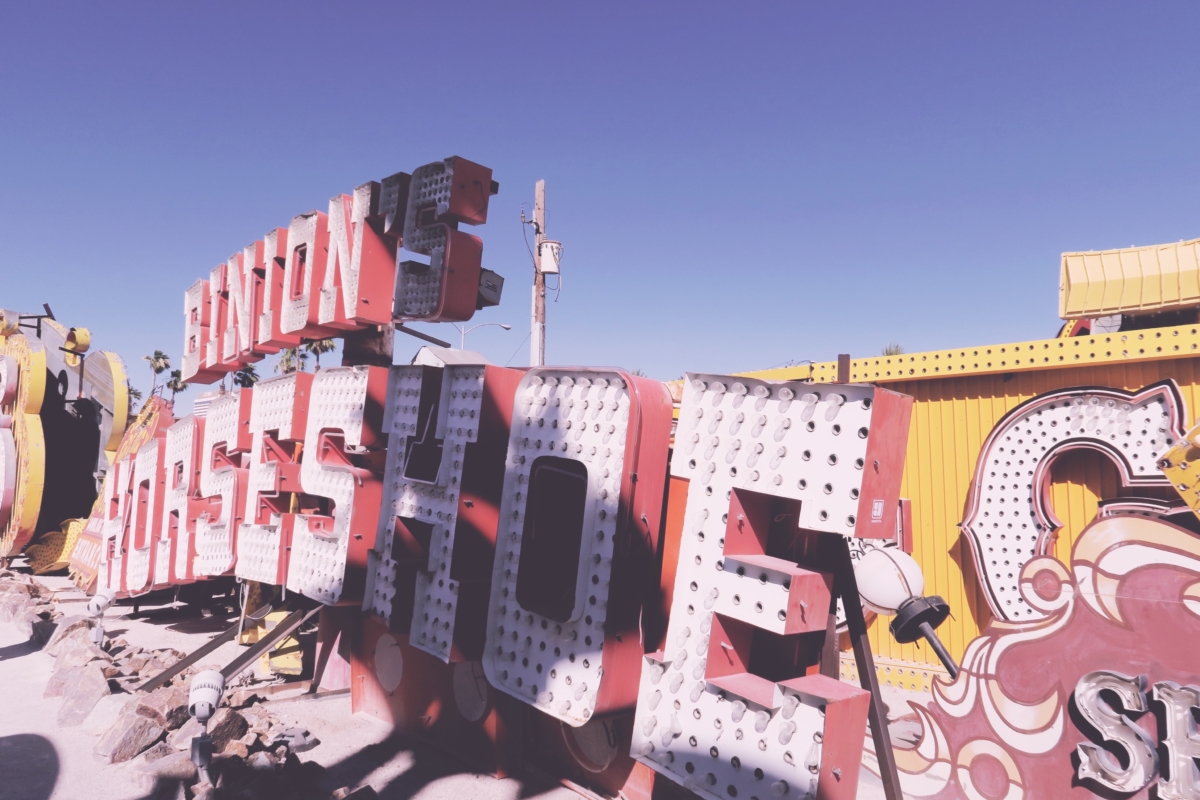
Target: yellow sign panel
{"points": [[26, 359], [53, 549], [48, 378], [1124, 347], [1130, 280], [1181, 464]]}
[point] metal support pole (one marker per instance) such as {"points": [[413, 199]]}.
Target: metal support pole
{"points": [[940, 649], [423, 336], [281, 631], [170, 672], [843, 368], [847, 589], [202, 753]]}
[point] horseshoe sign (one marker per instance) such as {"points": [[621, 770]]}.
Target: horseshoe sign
{"points": [[1010, 520]]}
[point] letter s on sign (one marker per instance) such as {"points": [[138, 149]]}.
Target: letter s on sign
{"points": [[1094, 761]]}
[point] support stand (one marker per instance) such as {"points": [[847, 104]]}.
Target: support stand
{"points": [[423, 336], [202, 752], [179, 666], [335, 629], [284, 629], [830, 553]]}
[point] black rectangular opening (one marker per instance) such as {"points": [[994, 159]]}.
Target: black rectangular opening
{"points": [[749, 660], [426, 216], [423, 453], [423, 459], [417, 268], [781, 658], [552, 537], [314, 505], [411, 538]]}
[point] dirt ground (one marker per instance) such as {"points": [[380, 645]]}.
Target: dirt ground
{"points": [[43, 761]]}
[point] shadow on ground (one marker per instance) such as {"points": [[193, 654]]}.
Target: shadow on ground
{"points": [[18, 650], [166, 790], [187, 620], [30, 766], [427, 764]]}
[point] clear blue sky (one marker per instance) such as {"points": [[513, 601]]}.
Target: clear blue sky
{"points": [[737, 185]]}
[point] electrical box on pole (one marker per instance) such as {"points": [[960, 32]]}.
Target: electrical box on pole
{"points": [[549, 256]]}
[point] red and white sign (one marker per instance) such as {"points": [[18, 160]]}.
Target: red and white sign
{"points": [[330, 273]]}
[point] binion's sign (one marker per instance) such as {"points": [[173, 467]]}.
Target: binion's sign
{"points": [[329, 274]]}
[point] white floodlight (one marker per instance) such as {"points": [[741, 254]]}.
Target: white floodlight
{"points": [[204, 696]]}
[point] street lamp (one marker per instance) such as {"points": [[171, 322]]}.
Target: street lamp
{"points": [[890, 582], [463, 343]]}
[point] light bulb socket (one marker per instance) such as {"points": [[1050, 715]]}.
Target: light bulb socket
{"points": [[906, 625], [916, 619]]}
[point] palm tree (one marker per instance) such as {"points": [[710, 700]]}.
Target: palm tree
{"points": [[176, 384], [317, 347], [134, 394], [893, 349], [245, 377], [160, 362], [290, 360]]}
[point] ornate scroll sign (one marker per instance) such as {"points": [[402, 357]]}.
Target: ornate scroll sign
{"points": [[1090, 691]]}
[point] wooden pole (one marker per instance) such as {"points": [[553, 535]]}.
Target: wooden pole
{"points": [[537, 338]]}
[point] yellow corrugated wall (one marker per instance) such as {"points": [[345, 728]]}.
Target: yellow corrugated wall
{"points": [[951, 419]]}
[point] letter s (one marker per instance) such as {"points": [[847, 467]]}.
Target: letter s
{"points": [[1096, 763]]}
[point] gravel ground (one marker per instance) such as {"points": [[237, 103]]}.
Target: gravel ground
{"points": [[43, 761]]}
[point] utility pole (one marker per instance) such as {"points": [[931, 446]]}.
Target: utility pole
{"points": [[537, 338]]}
